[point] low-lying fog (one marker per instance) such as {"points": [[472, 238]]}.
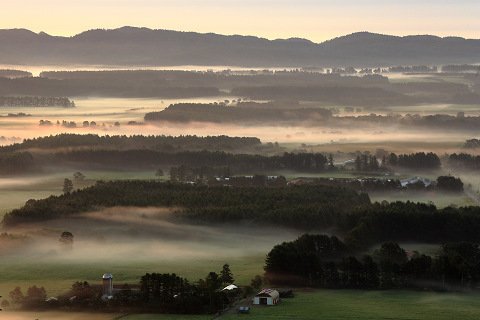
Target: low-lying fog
{"points": [[17, 129], [144, 234]]}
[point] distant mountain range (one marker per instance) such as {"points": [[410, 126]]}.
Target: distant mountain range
{"points": [[141, 46]]}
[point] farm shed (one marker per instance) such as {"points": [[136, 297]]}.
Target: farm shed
{"points": [[267, 297]]}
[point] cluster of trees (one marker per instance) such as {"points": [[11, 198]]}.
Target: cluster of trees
{"points": [[472, 144], [34, 298], [367, 162], [160, 143], [293, 206], [464, 161], [185, 112], [419, 160], [171, 293], [36, 102], [449, 183], [322, 261]]}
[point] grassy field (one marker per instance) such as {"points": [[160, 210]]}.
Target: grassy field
{"points": [[326, 304], [358, 305], [346, 304]]}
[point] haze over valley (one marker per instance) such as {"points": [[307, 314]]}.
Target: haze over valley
{"points": [[157, 173]]}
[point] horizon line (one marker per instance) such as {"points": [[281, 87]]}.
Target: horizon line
{"points": [[234, 34]]}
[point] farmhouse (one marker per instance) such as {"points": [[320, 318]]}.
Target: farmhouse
{"points": [[267, 297]]}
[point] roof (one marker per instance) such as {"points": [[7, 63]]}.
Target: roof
{"points": [[230, 287], [272, 293], [414, 180]]}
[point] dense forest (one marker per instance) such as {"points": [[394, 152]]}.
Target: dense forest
{"points": [[327, 262], [305, 206]]}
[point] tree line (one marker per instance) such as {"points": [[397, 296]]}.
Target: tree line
{"points": [[464, 161], [124, 142], [419, 160], [29, 101], [327, 262]]}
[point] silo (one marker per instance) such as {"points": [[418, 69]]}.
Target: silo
{"points": [[107, 281]]}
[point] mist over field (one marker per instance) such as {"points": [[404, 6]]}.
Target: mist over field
{"points": [[144, 234]]}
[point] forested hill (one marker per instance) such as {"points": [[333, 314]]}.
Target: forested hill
{"points": [[296, 206], [142, 46]]}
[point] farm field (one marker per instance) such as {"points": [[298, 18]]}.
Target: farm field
{"points": [[325, 304], [372, 305], [57, 277], [358, 305]]}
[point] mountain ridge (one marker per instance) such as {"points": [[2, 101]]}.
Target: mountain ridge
{"points": [[143, 46]]}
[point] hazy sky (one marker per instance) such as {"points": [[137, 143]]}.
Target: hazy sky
{"points": [[313, 19]]}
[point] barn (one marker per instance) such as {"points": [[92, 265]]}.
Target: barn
{"points": [[267, 297]]}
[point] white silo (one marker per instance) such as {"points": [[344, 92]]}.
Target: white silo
{"points": [[107, 281]]}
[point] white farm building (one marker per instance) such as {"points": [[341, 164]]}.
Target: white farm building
{"points": [[267, 297]]}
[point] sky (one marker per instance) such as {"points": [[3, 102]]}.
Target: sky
{"points": [[317, 20]]}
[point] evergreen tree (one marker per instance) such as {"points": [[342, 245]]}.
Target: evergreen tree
{"points": [[226, 275], [67, 186]]}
